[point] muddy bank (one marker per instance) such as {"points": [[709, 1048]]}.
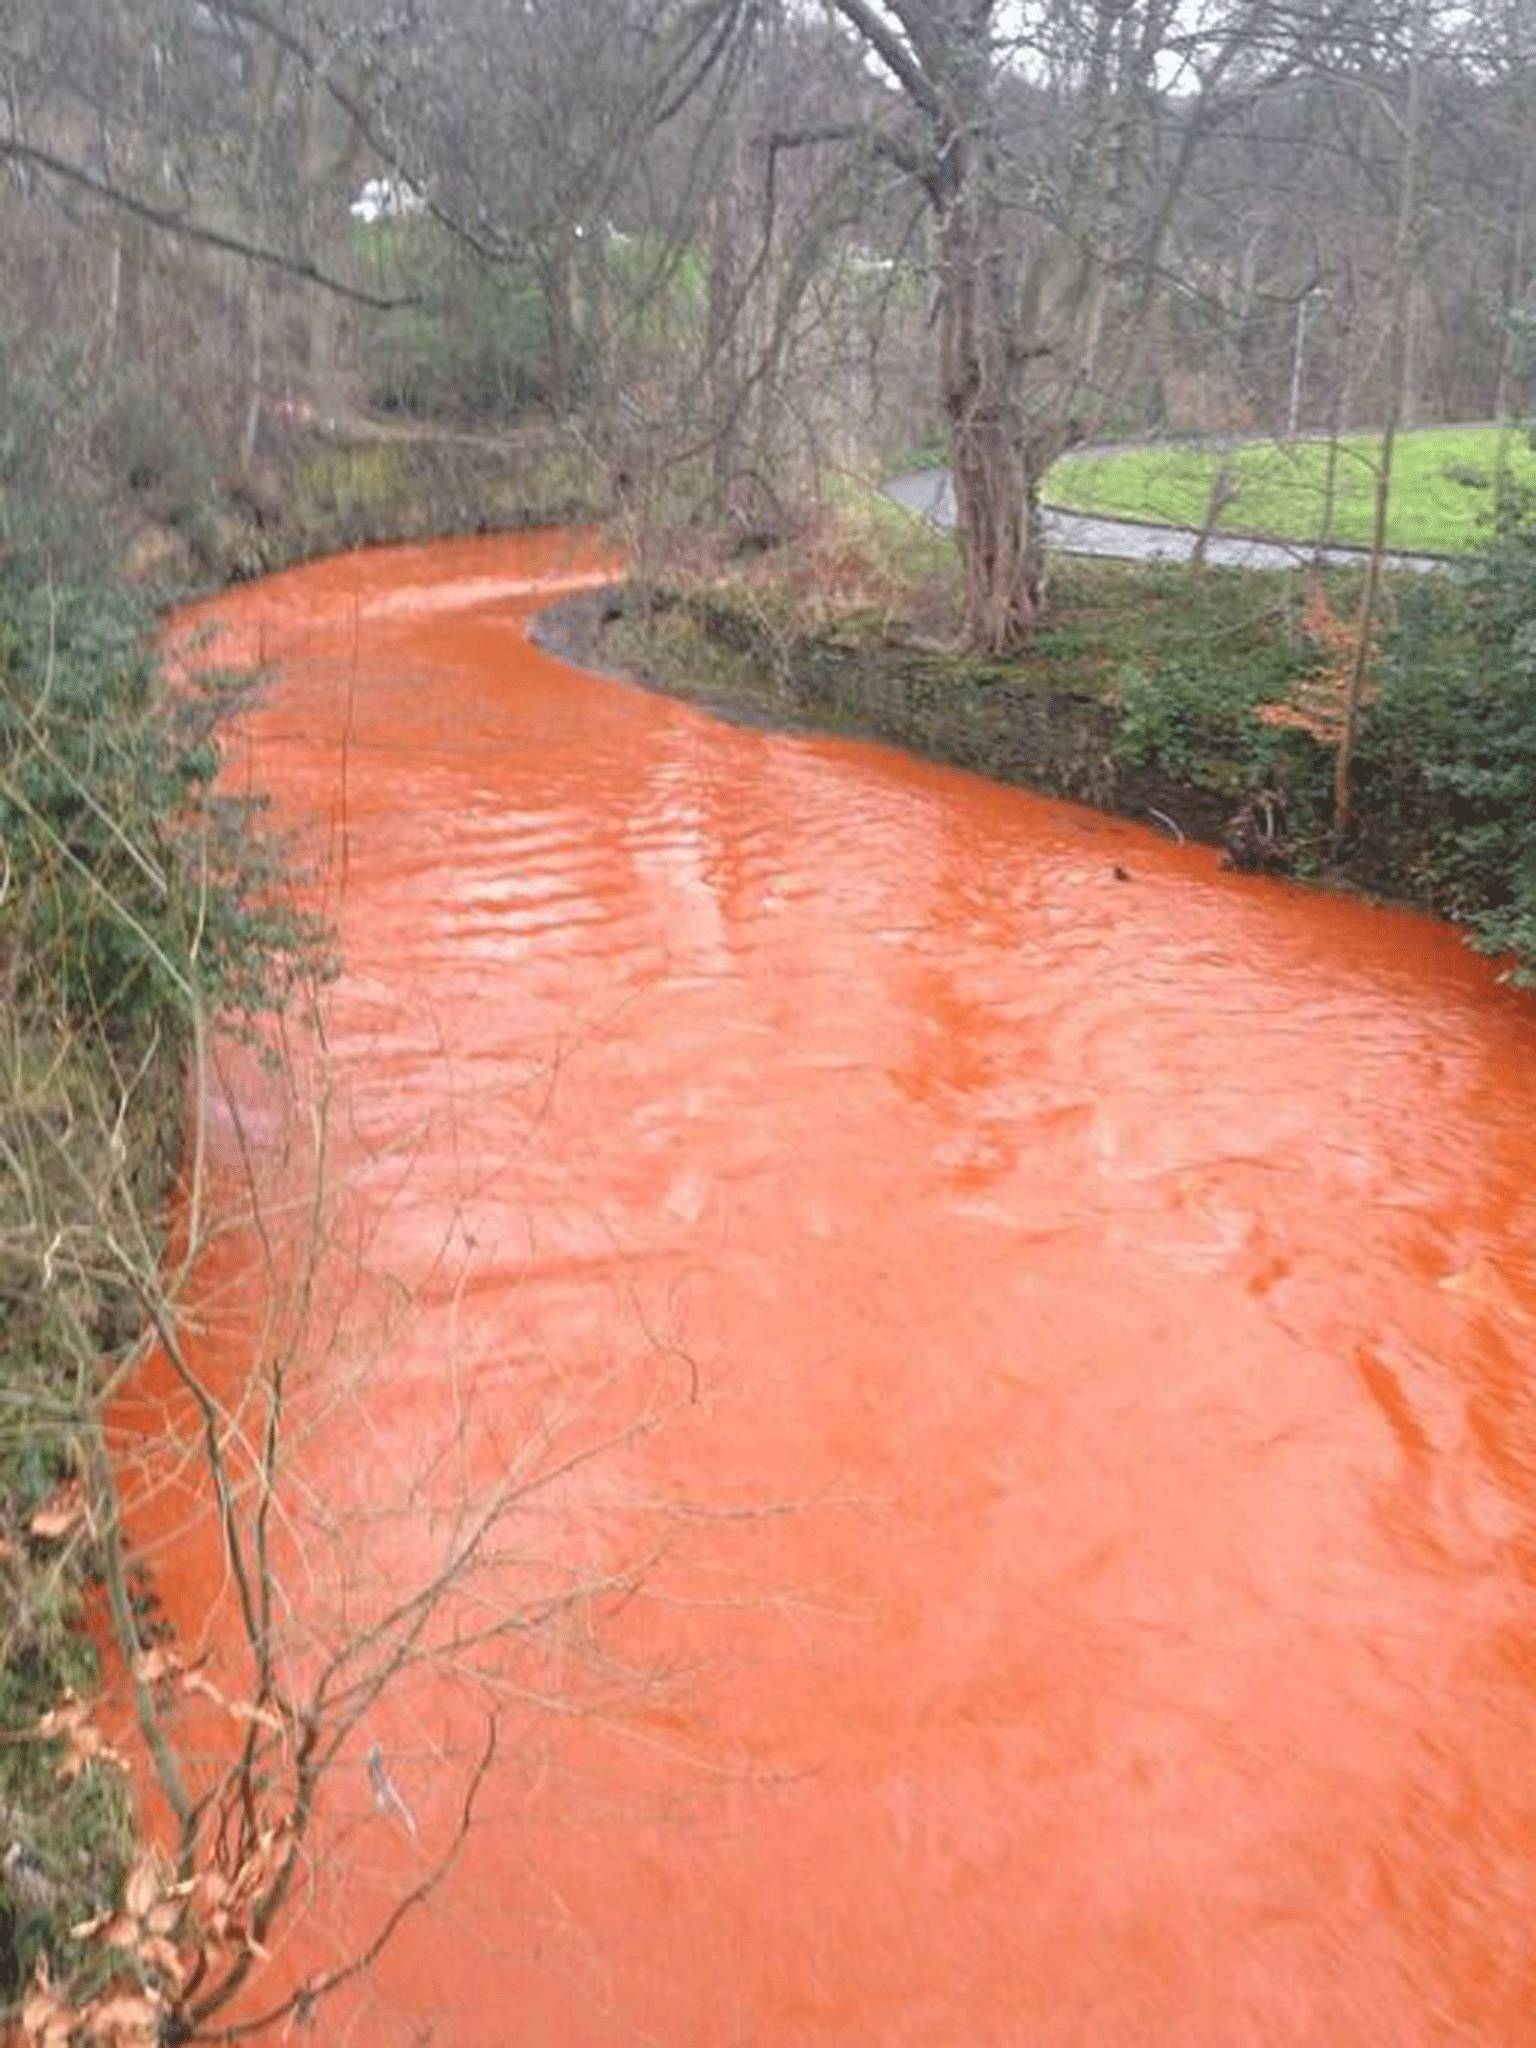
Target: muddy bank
{"points": [[1016, 724], [1154, 693]]}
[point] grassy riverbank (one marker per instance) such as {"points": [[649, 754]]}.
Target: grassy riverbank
{"points": [[137, 905], [1205, 700], [318, 490]]}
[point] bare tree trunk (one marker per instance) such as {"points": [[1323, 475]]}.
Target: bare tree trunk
{"points": [[597, 327], [992, 456], [1511, 349], [255, 368], [268, 79], [113, 313], [1223, 491], [1397, 386], [560, 314], [331, 150], [1330, 485], [722, 327]]}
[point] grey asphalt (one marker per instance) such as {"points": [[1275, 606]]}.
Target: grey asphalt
{"points": [[930, 493]]}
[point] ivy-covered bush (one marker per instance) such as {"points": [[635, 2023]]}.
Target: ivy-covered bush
{"points": [[1452, 742], [132, 883], [131, 894]]}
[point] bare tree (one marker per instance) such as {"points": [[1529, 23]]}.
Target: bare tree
{"points": [[1411, 128], [1050, 150]]}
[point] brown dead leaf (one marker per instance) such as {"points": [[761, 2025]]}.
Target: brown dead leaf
{"points": [[130, 2020], [112, 1930], [164, 1957], [259, 1867], [238, 1710], [1316, 703], [57, 1517], [70, 1723], [142, 1889], [156, 1664], [45, 2023]]}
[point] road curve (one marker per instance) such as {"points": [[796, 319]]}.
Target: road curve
{"points": [[930, 493]]}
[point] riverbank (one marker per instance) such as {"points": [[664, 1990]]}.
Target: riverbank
{"points": [[1055, 720], [139, 902], [135, 901], [1053, 732], [326, 487], [1206, 702]]}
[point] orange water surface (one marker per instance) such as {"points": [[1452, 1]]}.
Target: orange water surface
{"points": [[1026, 1379]]}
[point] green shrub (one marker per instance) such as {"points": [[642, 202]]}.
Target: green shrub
{"points": [[474, 345], [134, 883], [130, 894], [1455, 736], [1190, 720]]}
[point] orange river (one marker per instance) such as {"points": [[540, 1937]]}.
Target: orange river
{"points": [[1000, 1398]]}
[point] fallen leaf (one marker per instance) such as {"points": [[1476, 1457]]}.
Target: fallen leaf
{"points": [[156, 1664], [142, 1890], [45, 2022], [127, 2021], [194, 1681], [65, 1511], [70, 1723], [161, 1955]]}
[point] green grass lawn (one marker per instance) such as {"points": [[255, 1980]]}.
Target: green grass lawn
{"points": [[1442, 486]]}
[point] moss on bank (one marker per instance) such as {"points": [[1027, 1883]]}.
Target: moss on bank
{"points": [[318, 493]]}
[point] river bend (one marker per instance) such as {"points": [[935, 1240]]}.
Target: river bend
{"points": [[1055, 1324]]}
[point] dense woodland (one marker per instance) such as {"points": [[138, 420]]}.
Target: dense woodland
{"points": [[277, 276]]}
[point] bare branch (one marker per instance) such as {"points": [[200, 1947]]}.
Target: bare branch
{"points": [[301, 267]]}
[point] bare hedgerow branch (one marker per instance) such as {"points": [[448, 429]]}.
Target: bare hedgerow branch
{"points": [[300, 2005], [184, 228]]}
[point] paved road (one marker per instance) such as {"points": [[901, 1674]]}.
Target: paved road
{"points": [[930, 493]]}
